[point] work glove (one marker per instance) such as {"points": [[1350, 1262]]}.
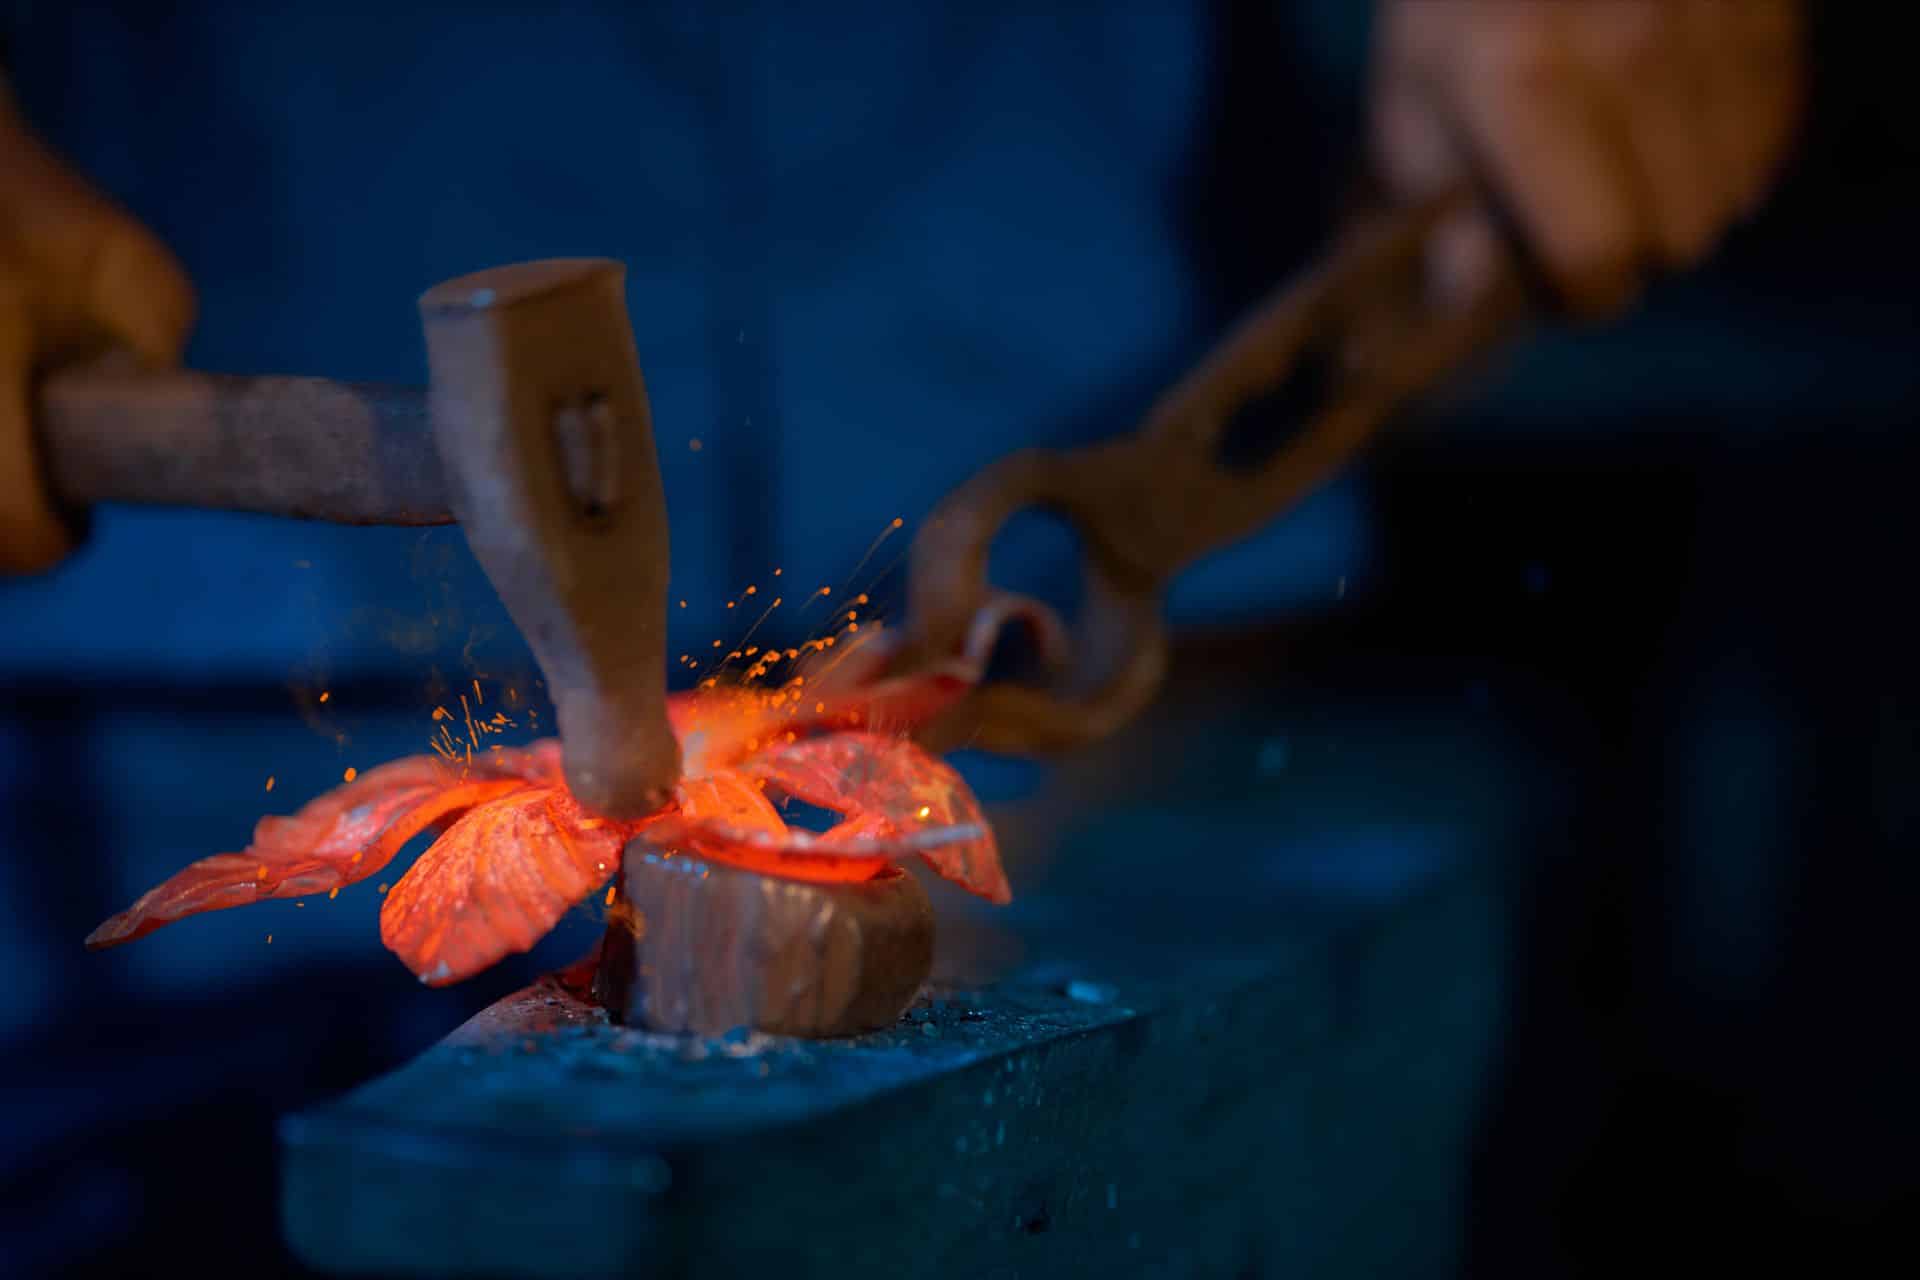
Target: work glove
{"points": [[78, 277]]}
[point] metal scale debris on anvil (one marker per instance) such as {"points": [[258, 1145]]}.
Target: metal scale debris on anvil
{"points": [[591, 1123]]}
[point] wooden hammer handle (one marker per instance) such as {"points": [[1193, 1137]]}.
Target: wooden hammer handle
{"points": [[352, 453]]}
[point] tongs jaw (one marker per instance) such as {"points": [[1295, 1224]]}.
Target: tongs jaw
{"points": [[1327, 360]]}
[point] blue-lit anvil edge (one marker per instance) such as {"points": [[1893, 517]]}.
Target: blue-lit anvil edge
{"points": [[1254, 1008], [1253, 1118]]}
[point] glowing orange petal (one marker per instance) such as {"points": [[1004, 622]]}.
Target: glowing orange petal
{"points": [[343, 820], [895, 791], [861, 828], [725, 817], [898, 802], [501, 876], [858, 849], [449, 803], [730, 800], [974, 865], [496, 883], [538, 761], [718, 728], [759, 851], [338, 838], [866, 773]]}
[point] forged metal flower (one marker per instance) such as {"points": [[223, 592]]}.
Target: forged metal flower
{"points": [[515, 851]]}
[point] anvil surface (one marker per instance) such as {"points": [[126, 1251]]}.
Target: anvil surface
{"points": [[1236, 1023]]}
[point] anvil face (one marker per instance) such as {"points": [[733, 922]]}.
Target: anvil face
{"points": [[1219, 1039]]}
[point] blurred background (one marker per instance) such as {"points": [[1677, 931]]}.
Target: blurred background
{"points": [[1662, 564]]}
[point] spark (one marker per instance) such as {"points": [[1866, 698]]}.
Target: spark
{"points": [[611, 890], [350, 774], [333, 893], [478, 701], [325, 694], [695, 445], [269, 939], [873, 547], [269, 782], [924, 812], [764, 615]]}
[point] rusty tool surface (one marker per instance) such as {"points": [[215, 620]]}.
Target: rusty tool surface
{"points": [[543, 426], [1289, 396], [705, 948], [351, 453], [535, 434]]}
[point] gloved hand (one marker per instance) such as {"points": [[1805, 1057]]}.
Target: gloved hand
{"points": [[78, 276], [1622, 136]]}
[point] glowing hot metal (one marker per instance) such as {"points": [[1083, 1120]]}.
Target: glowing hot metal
{"points": [[516, 851]]}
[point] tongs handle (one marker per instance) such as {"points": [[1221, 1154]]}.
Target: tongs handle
{"points": [[1362, 334]]}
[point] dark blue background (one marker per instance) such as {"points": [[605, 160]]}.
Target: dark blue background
{"points": [[869, 250]]}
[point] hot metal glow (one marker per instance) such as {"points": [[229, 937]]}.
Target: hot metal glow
{"points": [[515, 852]]}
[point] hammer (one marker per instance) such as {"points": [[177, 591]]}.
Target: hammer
{"points": [[534, 434]]}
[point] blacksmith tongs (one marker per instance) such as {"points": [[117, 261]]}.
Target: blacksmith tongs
{"points": [[1361, 328]]}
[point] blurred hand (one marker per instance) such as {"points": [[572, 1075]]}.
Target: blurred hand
{"points": [[1621, 136], [77, 277]]}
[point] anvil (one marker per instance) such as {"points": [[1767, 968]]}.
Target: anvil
{"points": [[1240, 1030]]}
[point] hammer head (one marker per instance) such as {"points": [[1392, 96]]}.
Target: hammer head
{"points": [[541, 422]]}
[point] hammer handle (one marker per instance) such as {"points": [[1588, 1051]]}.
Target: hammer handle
{"points": [[351, 453]]}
